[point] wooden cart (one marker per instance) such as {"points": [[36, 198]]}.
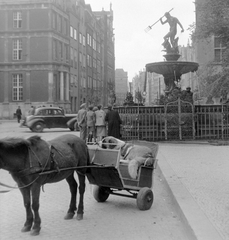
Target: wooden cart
{"points": [[110, 176]]}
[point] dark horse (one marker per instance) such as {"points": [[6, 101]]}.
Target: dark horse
{"points": [[34, 162]]}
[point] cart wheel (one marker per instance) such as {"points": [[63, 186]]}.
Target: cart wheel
{"points": [[145, 198], [101, 194]]}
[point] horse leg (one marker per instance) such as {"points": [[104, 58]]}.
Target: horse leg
{"points": [[35, 206], [80, 210], [29, 214], [73, 189]]}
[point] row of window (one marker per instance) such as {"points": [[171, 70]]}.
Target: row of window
{"points": [[17, 83]]}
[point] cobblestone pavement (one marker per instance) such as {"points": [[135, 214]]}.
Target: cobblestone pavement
{"points": [[203, 170], [117, 218], [200, 169]]}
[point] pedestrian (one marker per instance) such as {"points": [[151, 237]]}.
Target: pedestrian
{"points": [[114, 121], [31, 111], [100, 124], [82, 121], [18, 114], [91, 124]]}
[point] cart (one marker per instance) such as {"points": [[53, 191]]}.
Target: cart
{"points": [[110, 175]]}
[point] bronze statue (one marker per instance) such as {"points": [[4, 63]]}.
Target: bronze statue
{"points": [[172, 21]]}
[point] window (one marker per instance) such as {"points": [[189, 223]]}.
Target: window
{"points": [[66, 53], [71, 56], [80, 57], [17, 87], [75, 58], [84, 41], [80, 38], [59, 23], [61, 51], [94, 44], [98, 66], [88, 39], [89, 82], [94, 84], [54, 50], [71, 31], [17, 20], [84, 60], [75, 34], [219, 48], [94, 63], [17, 49], [54, 20]]}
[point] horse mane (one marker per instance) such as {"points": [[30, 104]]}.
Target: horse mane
{"points": [[12, 143]]}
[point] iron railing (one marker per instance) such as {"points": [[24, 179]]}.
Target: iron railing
{"points": [[157, 123]]}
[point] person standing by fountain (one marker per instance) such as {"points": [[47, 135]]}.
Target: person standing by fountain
{"points": [[172, 21]]}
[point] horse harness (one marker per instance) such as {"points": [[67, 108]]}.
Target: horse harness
{"points": [[50, 164]]}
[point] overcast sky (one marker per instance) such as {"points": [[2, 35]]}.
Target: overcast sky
{"points": [[134, 48]]}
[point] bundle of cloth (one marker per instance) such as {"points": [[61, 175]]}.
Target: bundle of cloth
{"points": [[132, 154]]}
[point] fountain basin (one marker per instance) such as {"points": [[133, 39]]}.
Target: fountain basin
{"points": [[169, 67]]}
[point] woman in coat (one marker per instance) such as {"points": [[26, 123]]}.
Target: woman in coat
{"points": [[114, 121]]}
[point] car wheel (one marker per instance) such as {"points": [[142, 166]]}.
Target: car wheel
{"points": [[38, 127]]}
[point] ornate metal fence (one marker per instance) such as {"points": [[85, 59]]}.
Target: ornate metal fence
{"points": [[178, 120]]}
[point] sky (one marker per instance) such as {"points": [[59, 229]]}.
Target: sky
{"points": [[134, 47]]}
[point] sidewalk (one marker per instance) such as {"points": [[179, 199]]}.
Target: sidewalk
{"points": [[197, 176]]}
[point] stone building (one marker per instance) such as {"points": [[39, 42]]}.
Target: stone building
{"points": [[54, 53]]}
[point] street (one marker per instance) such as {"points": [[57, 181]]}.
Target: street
{"points": [[117, 218]]}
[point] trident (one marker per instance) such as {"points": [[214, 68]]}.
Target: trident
{"points": [[150, 27]]}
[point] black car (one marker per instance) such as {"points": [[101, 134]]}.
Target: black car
{"points": [[50, 117]]}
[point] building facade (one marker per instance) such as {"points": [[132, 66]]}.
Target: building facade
{"points": [[121, 86], [52, 53]]}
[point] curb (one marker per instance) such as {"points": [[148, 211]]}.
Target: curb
{"points": [[197, 225]]}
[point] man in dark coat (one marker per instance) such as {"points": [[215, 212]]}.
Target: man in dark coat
{"points": [[18, 113], [82, 121], [113, 119]]}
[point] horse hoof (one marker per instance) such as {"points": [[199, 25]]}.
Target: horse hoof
{"points": [[35, 232], [26, 229], [69, 216], [79, 216]]}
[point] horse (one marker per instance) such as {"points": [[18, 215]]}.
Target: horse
{"points": [[34, 162], [131, 154]]}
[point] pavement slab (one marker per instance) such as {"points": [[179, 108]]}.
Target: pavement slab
{"points": [[197, 175]]}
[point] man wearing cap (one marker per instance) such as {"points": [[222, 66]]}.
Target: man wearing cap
{"points": [[82, 121]]}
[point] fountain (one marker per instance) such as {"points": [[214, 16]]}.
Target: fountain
{"points": [[179, 115], [172, 69]]}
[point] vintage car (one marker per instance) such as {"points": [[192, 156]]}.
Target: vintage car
{"points": [[50, 117]]}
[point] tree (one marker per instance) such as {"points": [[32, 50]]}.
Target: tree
{"points": [[213, 20]]}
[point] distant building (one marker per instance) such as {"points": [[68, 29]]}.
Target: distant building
{"points": [[154, 88], [121, 86], [54, 53], [208, 51]]}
